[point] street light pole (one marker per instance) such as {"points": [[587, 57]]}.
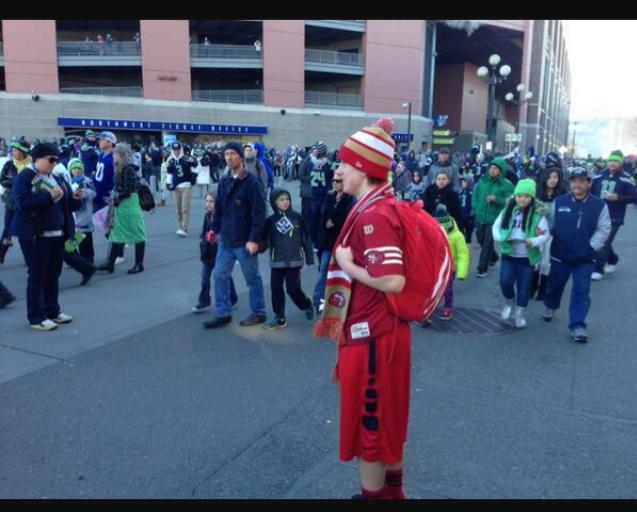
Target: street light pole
{"points": [[407, 105], [494, 77]]}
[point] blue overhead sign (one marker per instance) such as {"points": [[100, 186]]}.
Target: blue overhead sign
{"points": [[125, 124], [402, 137]]}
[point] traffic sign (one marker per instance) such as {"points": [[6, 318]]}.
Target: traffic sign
{"points": [[512, 137], [450, 140]]}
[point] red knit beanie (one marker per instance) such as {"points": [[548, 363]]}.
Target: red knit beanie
{"points": [[371, 150]]}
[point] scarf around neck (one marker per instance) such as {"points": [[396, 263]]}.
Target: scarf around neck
{"points": [[21, 164], [338, 290]]}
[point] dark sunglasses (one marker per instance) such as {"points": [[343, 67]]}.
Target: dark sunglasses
{"points": [[337, 181], [53, 159]]}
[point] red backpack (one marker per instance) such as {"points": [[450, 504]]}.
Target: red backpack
{"points": [[427, 261]]}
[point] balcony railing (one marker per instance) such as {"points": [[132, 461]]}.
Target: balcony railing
{"points": [[224, 51], [134, 92], [333, 58], [92, 48], [333, 99], [353, 25], [229, 96]]}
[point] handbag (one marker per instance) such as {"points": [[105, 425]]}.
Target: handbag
{"points": [[146, 198]]}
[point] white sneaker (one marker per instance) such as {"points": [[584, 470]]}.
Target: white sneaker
{"points": [[181, 233], [506, 311], [62, 319], [46, 325], [520, 322], [610, 269], [596, 276], [119, 260]]}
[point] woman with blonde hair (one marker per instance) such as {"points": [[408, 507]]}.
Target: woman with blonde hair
{"points": [[127, 220]]}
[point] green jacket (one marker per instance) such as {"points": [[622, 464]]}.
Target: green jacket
{"points": [[501, 233], [459, 252], [500, 187]]}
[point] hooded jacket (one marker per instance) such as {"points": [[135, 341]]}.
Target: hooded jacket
{"points": [[260, 150], [286, 235], [500, 187], [180, 171], [255, 166]]}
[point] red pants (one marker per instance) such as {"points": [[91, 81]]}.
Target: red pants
{"points": [[375, 397]]}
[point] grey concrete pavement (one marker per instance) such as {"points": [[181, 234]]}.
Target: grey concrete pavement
{"points": [[134, 399]]}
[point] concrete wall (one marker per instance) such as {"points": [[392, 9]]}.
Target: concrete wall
{"points": [[19, 115], [394, 61], [166, 59], [284, 63], [30, 56]]}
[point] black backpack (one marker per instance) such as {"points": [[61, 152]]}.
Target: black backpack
{"points": [[146, 198]]}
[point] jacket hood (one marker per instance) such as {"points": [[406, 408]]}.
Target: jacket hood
{"points": [[259, 149], [275, 194]]}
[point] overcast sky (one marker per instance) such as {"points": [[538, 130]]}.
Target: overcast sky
{"points": [[603, 70]]}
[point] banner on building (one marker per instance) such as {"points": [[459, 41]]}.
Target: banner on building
{"points": [[126, 124]]}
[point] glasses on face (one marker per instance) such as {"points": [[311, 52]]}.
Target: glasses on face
{"points": [[337, 181], [53, 159]]}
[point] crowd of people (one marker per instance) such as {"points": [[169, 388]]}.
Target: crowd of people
{"points": [[543, 220]]}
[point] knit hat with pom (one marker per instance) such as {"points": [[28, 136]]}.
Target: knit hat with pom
{"points": [[371, 150]]}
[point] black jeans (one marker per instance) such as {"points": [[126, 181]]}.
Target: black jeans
{"points": [[292, 278], [44, 257], [86, 248], [467, 228], [606, 254], [485, 239], [8, 218]]}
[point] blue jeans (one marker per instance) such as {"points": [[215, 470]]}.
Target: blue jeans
{"points": [[226, 256], [518, 272], [319, 289], [580, 292], [204, 294]]}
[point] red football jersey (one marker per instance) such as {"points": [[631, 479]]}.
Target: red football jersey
{"points": [[375, 242]]}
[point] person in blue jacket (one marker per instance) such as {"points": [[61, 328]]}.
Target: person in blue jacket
{"points": [[617, 188], [43, 222], [580, 224]]}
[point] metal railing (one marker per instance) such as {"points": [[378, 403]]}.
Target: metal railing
{"points": [[229, 96], [334, 58], [333, 99], [92, 48], [134, 92], [224, 51]]}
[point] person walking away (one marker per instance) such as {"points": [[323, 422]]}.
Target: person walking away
{"points": [[321, 181], [522, 230], [128, 220]]}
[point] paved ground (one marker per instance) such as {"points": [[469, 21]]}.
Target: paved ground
{"points": [[134, 399]]}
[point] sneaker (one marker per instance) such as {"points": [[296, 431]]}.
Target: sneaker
{"points": [[610, 269], [309, 313], [548, 314], [447, 313], [505, 314], [596, 276], [253, 319], [275, 324], [119, 260], [200, 307], [578, 335], [217, 321], [481, 274], [46, 325], [520, 322], [424, 323], [181, 233], [62, 319]]}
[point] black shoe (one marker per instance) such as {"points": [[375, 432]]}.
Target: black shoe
{"points": [[6, 297], [87, 277], [136, 269], [217, 321], [3, 251], [106, 267], [253, 320]]}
